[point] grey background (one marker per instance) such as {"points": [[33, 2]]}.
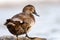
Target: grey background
{"points": [[46, 26]]}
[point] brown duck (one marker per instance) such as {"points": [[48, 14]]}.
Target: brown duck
{"points": [[22, 22]]}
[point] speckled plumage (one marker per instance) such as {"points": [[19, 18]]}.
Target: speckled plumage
{"points": [[22, 22]]}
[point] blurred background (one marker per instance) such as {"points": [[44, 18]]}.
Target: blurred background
{"points": [[46, 26]]}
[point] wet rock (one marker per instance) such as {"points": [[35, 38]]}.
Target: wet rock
{"points": [[20, 38]]}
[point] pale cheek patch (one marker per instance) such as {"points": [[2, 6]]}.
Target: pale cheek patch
{"points": [[17, 19]]}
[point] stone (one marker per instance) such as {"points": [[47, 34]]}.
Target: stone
{"points": [[20, 38]]}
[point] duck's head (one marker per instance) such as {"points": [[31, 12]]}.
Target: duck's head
{"points": [[30, 9]]}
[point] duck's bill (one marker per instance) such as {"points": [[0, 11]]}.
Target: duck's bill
{"points": [[36, 14]]}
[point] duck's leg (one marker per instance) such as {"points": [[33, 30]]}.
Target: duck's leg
{"points": [[17, 37], [28, 36]]}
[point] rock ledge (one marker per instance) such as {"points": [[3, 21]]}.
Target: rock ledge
{"points": [[20, 38]]}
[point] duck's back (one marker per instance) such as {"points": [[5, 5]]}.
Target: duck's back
{"points": [[24, 18]]}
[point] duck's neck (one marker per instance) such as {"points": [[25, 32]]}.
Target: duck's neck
{"points": [[30, 14]]}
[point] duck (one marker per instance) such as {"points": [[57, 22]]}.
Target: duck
{"points": [[21, 23]]}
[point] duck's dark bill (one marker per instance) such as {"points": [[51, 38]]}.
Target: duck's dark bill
{"points": [[36, 13]]}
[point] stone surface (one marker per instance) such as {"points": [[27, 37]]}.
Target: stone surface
{"points": [[20, 38]]}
